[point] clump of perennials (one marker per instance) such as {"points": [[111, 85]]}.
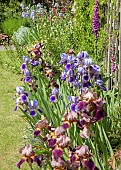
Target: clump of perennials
{"points": [[53, 146]]}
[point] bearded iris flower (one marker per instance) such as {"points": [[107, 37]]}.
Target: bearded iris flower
{"points": [[64, 57], [21, 98], [26, 59], [28, 155], [87, 61], [55, 91], [23, 67], [53, 98], [82, 55], [35, 63], [82, 70], [40, 125], [39, 5], [33, 106], [22, 6]]}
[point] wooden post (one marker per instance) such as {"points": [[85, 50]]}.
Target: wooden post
{"points": [[109, 45], [119, 80], [117, 42]]}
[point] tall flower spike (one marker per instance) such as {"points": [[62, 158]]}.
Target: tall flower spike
{"points": [[95, 20]]}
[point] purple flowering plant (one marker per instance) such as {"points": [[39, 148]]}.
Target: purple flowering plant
{"points": [[64, 110], [96, 20]]}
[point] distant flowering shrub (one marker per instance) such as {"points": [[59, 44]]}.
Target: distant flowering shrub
{"points": [[39, 10], [20, 34], [96, 20], [60, 136]]}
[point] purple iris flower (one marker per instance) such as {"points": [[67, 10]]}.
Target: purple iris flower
{"points": [[52, 142], [53, 98], [89, 164], [87, 61], [32, 14], [64, 57], [23, 66], [86, 84], [33, 113], [55, 91], [82, 55], [39, 5], [20, 162], [72, 107], [72, 99], [26, 73], [82, 105], [22, 6], [24, 98], [71, 59], [86, 78], [68, 66], [57, 153], [26, 59], [33, 105], [35, 63], [69, 72], [25, 14], [19, 90], [77, 83], [99, 114], [71, 80], [99, 82], [27, 79], [82, 70], [95, 69], [103, 88], [63, 75]]}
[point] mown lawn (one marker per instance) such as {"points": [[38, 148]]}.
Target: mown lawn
{"points": [[11, 124]]}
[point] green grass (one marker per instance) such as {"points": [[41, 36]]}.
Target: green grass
{"points": [[11, 124]]}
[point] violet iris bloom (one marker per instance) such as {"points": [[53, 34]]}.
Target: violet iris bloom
{"points": [[64, 57], [19, 90], [55, 91], [72, 99], [87, 61], [57, 153], [33, 105], [35, 63], [95, 69], [53, 98], [63, 75], [21, 98], [82, 69], [28, 155], [26, 59], [82, 54], [23, 67]]}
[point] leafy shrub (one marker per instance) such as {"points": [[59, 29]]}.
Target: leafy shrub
{"points": [[11, 25]]}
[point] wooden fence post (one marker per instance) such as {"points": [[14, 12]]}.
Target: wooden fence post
{"points": [[119, 80], [109, 21]]}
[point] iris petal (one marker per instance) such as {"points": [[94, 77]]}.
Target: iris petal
{"points": [[20, 162], [33, 113]]}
